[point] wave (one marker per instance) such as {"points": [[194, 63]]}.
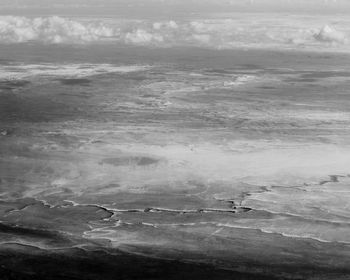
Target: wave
{"points": [[212, 33], [78, 70]]}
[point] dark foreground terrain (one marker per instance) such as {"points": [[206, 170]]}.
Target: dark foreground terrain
{"points": [[25, 263]]}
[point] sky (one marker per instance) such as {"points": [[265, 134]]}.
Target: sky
{"points": [[169, 6]]}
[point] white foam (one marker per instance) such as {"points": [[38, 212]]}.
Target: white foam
{"points": [[26, 71]]}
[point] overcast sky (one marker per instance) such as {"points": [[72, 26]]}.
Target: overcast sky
{"points": [[166, 6]]}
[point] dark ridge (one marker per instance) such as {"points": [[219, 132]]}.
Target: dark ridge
{"points": [[73, 82]]}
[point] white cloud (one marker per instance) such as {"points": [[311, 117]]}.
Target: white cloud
{"points": [[241, 31], [50, 30], [143, 37], [329, 34]]}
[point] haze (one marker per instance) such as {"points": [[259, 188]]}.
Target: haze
{"points": [[172, 6]]}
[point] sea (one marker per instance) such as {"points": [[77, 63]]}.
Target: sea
{"points": [[209, 139]]}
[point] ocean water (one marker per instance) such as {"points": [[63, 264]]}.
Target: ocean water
{"points": [[206, 139]]}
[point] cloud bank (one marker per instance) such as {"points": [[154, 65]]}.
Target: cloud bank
{"points": [[210, 33], [51, 30]]}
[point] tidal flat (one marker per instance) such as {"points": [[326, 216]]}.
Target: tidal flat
{"points": [[173, 163]]}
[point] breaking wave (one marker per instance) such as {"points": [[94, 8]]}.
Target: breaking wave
{"points": [[212, 33], [28, 71]]}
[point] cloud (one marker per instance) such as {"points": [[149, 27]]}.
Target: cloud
{"points": [[331, 35], [209, 33], [143, 37], [50, 30]]}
